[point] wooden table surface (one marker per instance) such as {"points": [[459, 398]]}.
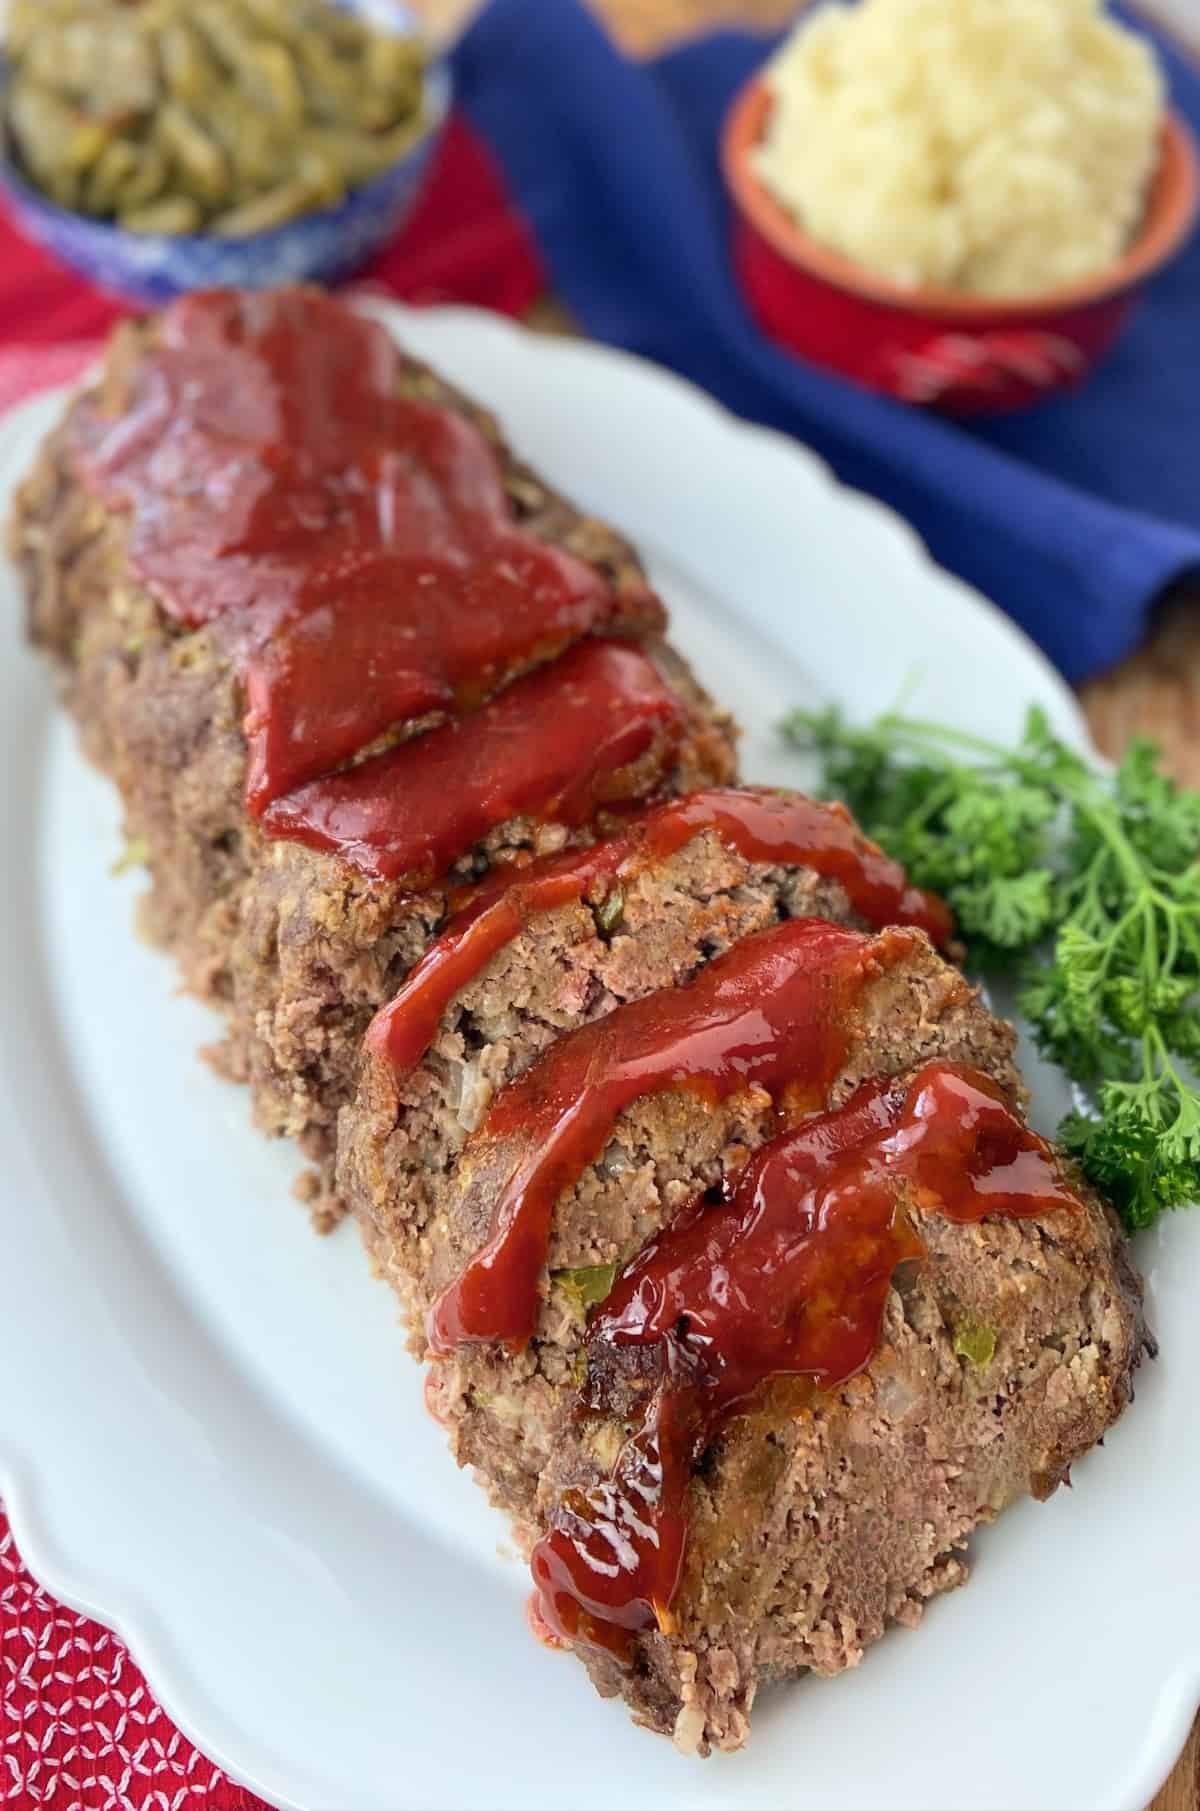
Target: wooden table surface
{"points": [[1156, 692]]}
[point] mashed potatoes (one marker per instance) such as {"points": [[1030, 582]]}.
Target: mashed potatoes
{"points": [[995, 146]]}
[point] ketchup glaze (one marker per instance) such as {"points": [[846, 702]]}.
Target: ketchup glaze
{"points": [[774, 1012], [761, 826], [557, 744], [355, 551], [787, 1275]]}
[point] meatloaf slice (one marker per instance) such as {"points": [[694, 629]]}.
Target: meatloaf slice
{"points": [[297, 946], [816, 1520], [404, 1135]]}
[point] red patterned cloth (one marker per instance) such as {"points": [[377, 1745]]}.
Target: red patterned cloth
{"points": [[79, 1729]]}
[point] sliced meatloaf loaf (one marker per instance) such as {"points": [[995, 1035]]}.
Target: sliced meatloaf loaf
{"points": [[297, 945], [815, 1518], [700, 1174]]}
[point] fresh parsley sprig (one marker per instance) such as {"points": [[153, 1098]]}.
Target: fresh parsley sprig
{"points": [[1088, 884]]}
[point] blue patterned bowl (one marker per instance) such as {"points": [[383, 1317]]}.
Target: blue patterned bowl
{"points": [[318, 247]]}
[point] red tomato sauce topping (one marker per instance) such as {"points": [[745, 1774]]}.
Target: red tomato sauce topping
{"points": [[786, 1276], [774, 1012], [760, 826], [355, 551], [557, 744]]}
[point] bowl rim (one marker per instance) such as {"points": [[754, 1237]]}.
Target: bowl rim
{"points": [[437, 100], [1172, 207]]}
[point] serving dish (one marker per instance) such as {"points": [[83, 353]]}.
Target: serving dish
{"points": [[256, 1499], [318, 247], [969, 355]]}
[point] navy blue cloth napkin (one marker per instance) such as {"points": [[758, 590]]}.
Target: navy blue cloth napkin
{"points": [[1073, 516]]}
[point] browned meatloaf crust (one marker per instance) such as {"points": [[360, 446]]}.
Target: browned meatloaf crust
{"points": [[813, 1524], [297, 946]]}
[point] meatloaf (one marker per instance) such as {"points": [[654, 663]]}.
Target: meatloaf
{"points": [[815, 1520], [700, 1172], [298, 948]]}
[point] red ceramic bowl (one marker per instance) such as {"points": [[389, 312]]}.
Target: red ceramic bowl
{"points": [[966, 354]]}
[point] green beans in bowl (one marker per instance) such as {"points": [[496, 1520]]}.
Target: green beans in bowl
{"points": [[166, 145]]}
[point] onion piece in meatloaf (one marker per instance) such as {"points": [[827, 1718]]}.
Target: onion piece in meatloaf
{"points": [[297, 946], [815, 1519]]}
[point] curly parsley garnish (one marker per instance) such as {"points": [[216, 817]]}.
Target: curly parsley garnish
{"points": [[1087, 883]]}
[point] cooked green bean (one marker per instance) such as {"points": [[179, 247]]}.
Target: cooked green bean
{"points": [[225, 32], [103, 61], [231, 116], [273, 16], [284, 19], [324, 176], [51, 56], [191, 76], [333, 87], [256, 64], [126, 175], [347, 32], [85, 141], [29, 16], [199, 161], [42, 125], [393, 83], [173, 215], [260, 156], [116, 165], [57, 140], [147, 182], [395, 66], [359, 156], [275, 208], [270, 74]]}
